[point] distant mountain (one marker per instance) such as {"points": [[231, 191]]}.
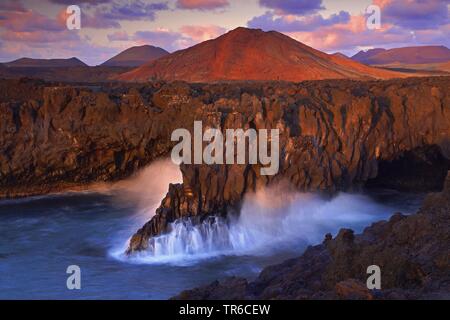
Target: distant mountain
{"points": [[364, 56], [406, 55], [420, 69], [340, 54], [252, 54], [45, 63], [136, 56]]}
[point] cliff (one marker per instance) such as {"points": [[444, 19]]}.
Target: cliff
{"points": [[333, 136]]}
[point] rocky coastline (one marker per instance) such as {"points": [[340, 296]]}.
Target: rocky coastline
{"points": [[335, 135], [412, 253]]}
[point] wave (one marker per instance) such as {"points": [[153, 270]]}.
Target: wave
{"points": [[272, 220]]}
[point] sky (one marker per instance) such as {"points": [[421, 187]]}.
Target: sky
{"points": [[37, 28]]}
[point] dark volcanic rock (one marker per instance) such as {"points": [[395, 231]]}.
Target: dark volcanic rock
{"points": [[413, 253], [55, 137]]}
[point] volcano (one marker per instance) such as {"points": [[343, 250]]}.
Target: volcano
{"points": [[252, 54], [136, 56]]}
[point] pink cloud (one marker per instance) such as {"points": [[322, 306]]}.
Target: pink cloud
{"points": [[345, 37], [166, 39], [38, 37], [202, 4], [202, 33], [29, 21]]}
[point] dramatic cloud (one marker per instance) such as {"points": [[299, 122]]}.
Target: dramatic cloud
{"points": [[268, 22], [202, 33], [202, 4], [416, 15], [295, 7]]}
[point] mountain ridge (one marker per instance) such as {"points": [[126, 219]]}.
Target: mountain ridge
{"points": [[406, 55], [45, 63]]}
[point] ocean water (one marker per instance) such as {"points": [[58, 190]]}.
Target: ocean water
{"points": [[41, 236]]}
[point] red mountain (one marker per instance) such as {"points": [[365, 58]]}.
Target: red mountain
{"points": [[136, 56], [407, 55], [250, 54]]}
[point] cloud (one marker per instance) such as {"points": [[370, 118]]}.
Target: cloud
{"points": [[29, 21], [202, 4], [354, 35], [11, 6], [118, 36], [130, 10], [39, 38], [166, 39], [269, 21], [30, 29], [108, 14], [72, 2], [415, 15], [343, 39], [294, 7], [202, 33], [186, 36]]}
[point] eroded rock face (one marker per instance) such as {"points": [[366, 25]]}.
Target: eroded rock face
{"points": [[413, 253], [333, 136], [58, 136]]}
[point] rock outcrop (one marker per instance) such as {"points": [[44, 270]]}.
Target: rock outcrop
{"points": [[413, 253]]}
